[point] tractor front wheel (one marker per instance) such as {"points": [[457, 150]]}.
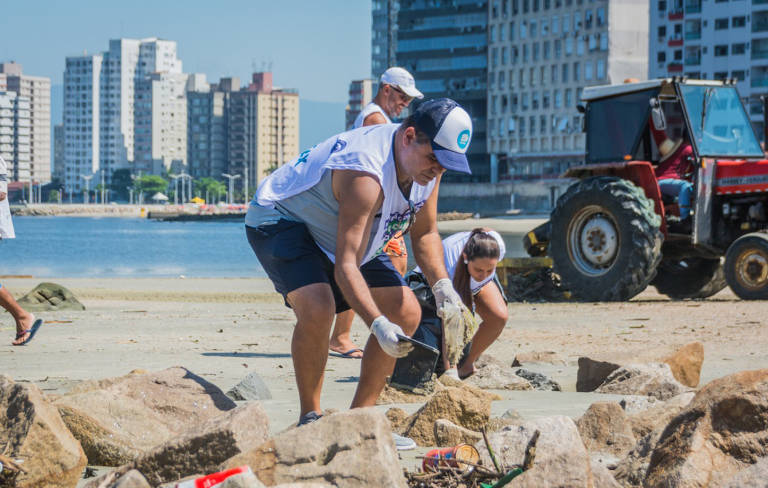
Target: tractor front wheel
{"points": [[605, 241], [746, 266]]}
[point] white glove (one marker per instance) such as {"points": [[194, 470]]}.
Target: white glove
{"points": [[386, 333], [444, 292]]}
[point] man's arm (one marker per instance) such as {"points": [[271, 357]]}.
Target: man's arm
{"points": [[374, 119], [359, 196], [426, 242]]}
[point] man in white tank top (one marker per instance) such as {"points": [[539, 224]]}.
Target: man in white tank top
{"points": [[380, 177], [396, 91]]}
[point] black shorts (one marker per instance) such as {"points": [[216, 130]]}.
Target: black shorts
{"points": [[291, 258]]}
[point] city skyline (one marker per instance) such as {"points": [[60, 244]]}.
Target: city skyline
{"points": [[313, 47]]}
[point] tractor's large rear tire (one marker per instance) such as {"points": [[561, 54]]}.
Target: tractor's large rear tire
{"points": [[606, 241], [689, 278], [746, 266]]}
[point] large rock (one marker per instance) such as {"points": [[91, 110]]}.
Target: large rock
{"points": [[631, 470], [538, 381], [252, 387], [722, 431], [117, 419], [50, 296], [492, 374], [459, 405], [686, 364], [561, 458], [205, 447], [755, 476], [32, 430], [653, 379], [449, 434], [605, 428], [602, 477], [347, 449], [658, 415], [592, 373]]}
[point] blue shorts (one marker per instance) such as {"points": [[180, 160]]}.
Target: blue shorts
{"points": [[291, 258]]}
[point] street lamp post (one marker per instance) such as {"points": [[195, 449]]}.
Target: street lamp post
{"points": [[87, 187], [230, 192], [175, 179]]}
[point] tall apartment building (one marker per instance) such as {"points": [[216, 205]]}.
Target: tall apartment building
{"points": [[15, 135], [263, 129], [37, 90], [713, 39], [360, 95], [383, 35], [240, 131], [58, 152], [99, 104], [207, 115], [541, 54], [160, 126], [444, 45]]}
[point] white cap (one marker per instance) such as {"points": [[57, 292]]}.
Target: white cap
{"points": [[402, 79]]}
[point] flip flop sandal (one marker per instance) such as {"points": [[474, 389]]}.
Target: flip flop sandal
{"points": [[32, 331], [348, 354]]}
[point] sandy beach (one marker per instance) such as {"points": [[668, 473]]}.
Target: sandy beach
{"points": [[223, 329]]}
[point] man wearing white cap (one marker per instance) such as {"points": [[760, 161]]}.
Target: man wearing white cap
{"points": [[318, 226], [396, 91]]}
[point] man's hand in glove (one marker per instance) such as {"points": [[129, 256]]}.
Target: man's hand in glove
{"points": [[386, 333]]}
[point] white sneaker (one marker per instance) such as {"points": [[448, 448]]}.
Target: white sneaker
{"points": [[403, 443], [452, 373]]}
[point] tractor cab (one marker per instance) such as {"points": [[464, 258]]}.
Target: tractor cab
{"points": [[620, 120]]}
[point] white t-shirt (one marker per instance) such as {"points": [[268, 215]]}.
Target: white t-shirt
{"points": [[452, 247], [369, 109]]}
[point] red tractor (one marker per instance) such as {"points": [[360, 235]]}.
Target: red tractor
{"points": [[614, 231]]}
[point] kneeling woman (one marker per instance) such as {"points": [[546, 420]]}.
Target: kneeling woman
{"points": [[470, 259]]}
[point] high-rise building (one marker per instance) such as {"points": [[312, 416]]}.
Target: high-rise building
{"points": [[444, 46], [713, 40], [263, 129], [99, 104], [360, 95], [58, 153], [161, 123], [37, 90], [207, 112], [541, 54], [383, 35], [241, 131], [15, 130]]}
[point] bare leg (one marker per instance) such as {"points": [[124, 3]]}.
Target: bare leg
{"points": [[341, 341], [493, 311], [24, 319], [399, 304], [314, 307]]}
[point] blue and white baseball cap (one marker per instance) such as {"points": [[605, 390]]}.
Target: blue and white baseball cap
{"points": [[402, 79], [450, 128]]}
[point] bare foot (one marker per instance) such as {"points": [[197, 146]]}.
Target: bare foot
{"points": [[23, 327], [344, 346]]}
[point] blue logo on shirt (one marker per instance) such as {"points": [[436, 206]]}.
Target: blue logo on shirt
{"points": [[340, 144], [463, 139]]}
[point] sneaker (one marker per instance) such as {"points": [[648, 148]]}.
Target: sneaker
{"points": [[403, 443], [308, 418]]}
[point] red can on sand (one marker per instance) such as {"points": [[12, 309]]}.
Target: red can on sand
{"points": [[212, 480], [451, 456]]}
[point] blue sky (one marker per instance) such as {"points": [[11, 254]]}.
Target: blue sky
{"points": [[317, 46]]}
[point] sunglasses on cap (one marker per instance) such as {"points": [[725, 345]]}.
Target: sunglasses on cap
{"points": [[404, 96]]}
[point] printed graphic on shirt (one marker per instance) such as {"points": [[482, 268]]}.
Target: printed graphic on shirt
{"points": [[397, 222]]}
